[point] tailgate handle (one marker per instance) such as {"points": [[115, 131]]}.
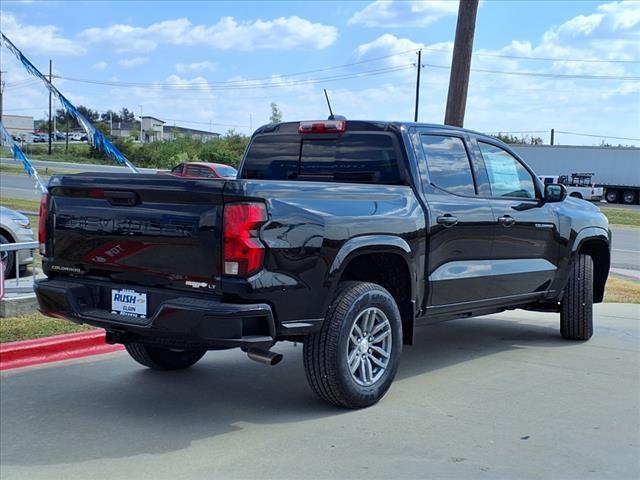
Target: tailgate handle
{"points": [[116, 197]]}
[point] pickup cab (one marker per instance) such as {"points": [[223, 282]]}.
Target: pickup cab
{"points": [[342, 235]]}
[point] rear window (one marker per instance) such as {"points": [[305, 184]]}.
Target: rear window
{"points": [[354, 157]]}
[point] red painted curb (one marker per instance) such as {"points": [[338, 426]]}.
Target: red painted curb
{"points": [[54, 349]]}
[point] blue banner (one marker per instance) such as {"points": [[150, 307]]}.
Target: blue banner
{"points": [[94, 136]]}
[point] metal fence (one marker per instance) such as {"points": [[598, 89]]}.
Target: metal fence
{"points": [[18, 285]]}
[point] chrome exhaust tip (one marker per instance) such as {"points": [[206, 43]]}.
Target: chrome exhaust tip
{"points": [[264, 356]]}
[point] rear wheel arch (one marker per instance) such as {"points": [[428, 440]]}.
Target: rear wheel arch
{"points": [[389, 267]]}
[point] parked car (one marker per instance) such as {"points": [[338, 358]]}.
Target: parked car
{"points": [[203, 170], [578, 186], [40, 138], [15, 228], [342, 235]]}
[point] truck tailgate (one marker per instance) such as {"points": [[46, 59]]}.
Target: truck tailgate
{"points": [[154, 230]]}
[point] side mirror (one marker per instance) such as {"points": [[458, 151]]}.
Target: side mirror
{"points": [[554, 192]]}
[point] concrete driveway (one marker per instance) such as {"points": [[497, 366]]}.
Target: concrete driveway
{"points": [[495, 397]]}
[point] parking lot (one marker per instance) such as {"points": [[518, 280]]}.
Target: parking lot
{"points": [[494, 397]]}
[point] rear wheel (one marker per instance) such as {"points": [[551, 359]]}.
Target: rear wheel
{"points": [[353, 359], [160, 358], [612, 196], [8, 258], [576, 310], [629, 197], [576, 195]]}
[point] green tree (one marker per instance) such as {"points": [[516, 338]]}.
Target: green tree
{"points": [[276, 114]]}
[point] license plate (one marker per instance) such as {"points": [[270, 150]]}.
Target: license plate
{"points": [[129, 302]]}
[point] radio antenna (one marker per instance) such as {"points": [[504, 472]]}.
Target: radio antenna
{"points": [[326, 95]]}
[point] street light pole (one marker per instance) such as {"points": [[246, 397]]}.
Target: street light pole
{"points": [[140, 123]]}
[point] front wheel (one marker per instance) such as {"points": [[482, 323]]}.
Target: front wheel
{"points": [[576, 309], [159, 358], [353, 359]]}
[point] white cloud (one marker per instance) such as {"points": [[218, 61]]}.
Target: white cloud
{"points": [[39, 39], [410, 13], [133, 62], [100, 65], [196, 67], [621, 15], [283, 33]]}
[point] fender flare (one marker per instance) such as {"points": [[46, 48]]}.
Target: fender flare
{"points": [[586, 234], [367, 244]]}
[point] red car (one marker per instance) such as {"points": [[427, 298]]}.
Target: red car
{"points": [[203, 170]]}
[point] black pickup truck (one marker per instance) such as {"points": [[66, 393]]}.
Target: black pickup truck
{"points": [[342, 235]]}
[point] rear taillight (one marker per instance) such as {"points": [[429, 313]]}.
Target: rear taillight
{"points": [[243, 252], [42, 223]]}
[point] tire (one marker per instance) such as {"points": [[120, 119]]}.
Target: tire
{"points": [[576, 195], [576, 309], [326, 353], [159, 358], [8, 258], [612, 196], [629, 197]]}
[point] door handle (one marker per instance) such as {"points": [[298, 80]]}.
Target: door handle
{"points": [[506, 220], [447, 220]]}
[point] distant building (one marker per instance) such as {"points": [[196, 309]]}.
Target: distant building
{"points": [[125, 130], [171, 133], [152, 129], [19, 126]]}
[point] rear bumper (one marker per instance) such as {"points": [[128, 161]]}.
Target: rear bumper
{"points": [[176, 319]]}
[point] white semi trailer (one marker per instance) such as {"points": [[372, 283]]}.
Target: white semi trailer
{"points": [[616, 169]]}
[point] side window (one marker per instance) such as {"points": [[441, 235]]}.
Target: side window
{"points": [[193, 171], [448, 164], [507, 176]]}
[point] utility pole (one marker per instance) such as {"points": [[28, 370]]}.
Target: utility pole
{"points": [[415, 115], [1, 92], [67, 120], [110, 123], [553, 136], [461, 63], [250, 124], [140, 123], [50, 124]]}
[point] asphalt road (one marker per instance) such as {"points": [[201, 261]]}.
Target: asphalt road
{"points": [[496, 397], [625, 248]]}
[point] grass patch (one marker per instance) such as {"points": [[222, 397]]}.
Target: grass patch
{"points": [[20, 205], [35, 325], [622, 291], [16, 170], [622, 216]]}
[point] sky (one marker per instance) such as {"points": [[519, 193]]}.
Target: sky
{"points": [[573, 66]]}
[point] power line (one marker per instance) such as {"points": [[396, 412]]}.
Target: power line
{"points": [[541, 74], [598, 136], [208, 86], [524, 57]]}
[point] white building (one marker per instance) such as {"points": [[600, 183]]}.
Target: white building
{"points": [[19, 126], [152, 129]]}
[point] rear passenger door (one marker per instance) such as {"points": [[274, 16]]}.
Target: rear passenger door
{"points": [[460, 230], [526, 239]]}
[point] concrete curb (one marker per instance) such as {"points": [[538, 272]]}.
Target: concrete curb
{"points": [[54, 349]]}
